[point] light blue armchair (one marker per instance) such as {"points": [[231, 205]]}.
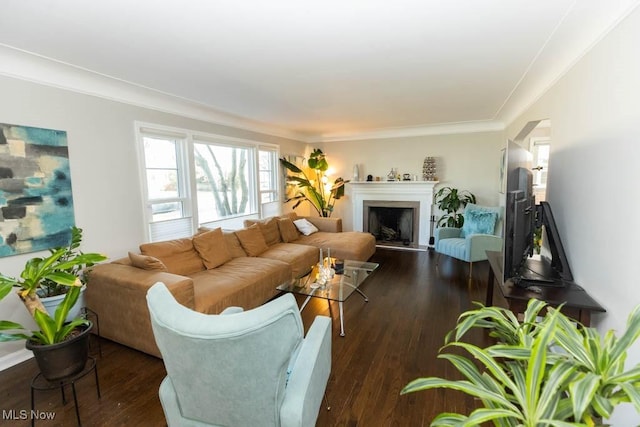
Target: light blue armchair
{"points": [[480, 233], [240, 368]]}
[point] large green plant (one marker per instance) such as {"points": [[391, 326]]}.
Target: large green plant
{"points": [[63, 267], [451, 200], [541, 371], [314, 190]]}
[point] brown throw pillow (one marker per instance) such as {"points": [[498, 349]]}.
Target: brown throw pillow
{"points": [[146, 262], [270, 231], [288, 230], [252, 240], [178, 255], [212, 248]]}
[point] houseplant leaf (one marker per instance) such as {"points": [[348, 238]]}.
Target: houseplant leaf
{"points": [[6, 325]]}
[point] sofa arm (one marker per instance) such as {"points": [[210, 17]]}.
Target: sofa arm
{"points": [[331, 225], [445, 233], [309, 377], [117, 294], [478, 244]]}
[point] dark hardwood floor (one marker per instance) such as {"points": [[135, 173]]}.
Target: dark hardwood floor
{"points": [[391, 340]]}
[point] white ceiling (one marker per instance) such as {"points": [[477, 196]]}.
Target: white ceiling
{"points": [[315, 70]]}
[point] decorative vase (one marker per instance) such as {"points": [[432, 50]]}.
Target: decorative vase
{"points": [[356, 173], [64, 359], [429, 169]]}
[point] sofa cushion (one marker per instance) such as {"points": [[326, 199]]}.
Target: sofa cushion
{"points": [[245, 282], [252, 240], [300, 257], [305, 227], [353, 245], [212, 248], [178, 255], [146, 262], [288, 230]]}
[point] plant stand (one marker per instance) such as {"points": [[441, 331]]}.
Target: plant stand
{"points": [[40, 383], [89, 314]]}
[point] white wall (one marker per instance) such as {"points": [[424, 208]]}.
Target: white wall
{"points": [[594, 175], [104, 168], [466, 161]]}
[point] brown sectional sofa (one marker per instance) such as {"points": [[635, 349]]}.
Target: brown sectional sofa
{"points": [[213, 270]]}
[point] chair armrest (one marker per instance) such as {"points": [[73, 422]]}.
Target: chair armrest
{"points": [[331, 225], [478, 244], [445, 233], [232, 310], [309, 376]]}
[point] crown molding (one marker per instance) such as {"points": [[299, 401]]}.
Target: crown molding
{"points": [[566, 46], [413, 131], [22, 65], [27, 66]]}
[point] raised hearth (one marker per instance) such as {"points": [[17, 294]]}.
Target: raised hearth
{"points": [[420, 192]]}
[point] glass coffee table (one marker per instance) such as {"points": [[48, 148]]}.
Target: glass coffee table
{"points": [[338, 288]]}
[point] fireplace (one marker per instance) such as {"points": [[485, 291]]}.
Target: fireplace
{"points": [[419, 192], [393, 223]]}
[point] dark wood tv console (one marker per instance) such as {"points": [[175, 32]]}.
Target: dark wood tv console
{"points": [[577, 302]]}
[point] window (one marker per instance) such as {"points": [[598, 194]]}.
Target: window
{"points": [[540, 151], [267, 168], [191, 180], [540, 148], [269, 187], [223, 181]]}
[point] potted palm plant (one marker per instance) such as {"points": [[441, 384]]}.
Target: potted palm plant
{"points": [[542, 371], [451, 200], [317, 191], [63, 267]]}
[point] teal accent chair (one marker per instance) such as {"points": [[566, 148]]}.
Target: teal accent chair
{"points": [[480, 233], [240, 368]]}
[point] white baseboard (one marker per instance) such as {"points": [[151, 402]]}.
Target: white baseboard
{"points": [[402, 248], [14, 358]]}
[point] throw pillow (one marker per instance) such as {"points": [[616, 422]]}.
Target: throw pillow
{"points": [[252, 240], [288, 230], [146, 262], [231, 240], [212, 248], [479, 222], [178, 255], [233, 244], [270, 231], [305, 226]]}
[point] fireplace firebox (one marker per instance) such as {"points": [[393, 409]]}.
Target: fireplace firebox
{"points": [[393, 223]]}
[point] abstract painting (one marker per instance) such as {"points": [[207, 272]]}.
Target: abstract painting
{"points": [[36, 204]]}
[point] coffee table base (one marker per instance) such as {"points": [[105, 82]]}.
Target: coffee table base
{"points": [[306, 301]]}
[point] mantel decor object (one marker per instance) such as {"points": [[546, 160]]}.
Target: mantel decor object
{"points": [[429, 169]]}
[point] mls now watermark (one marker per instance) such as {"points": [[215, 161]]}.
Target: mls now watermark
{"points": [[23, 414]]}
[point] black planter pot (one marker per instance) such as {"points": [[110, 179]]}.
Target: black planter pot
{"points": [[62, 360]]}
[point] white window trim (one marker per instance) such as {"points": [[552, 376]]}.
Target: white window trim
{"points": [[186, 158]]}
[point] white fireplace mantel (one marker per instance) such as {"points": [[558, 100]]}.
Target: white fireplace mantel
{"points": [[415, 191]]}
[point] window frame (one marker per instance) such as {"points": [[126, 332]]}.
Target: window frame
{"points": [[185, 143]]}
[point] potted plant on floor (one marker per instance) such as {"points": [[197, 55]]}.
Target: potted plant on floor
{"points": [[50, 292], [318, 192], [63, 267], [451, 200], [540, 372]]}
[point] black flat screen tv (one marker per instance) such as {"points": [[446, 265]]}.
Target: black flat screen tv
{"points": [[522, 218]]}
